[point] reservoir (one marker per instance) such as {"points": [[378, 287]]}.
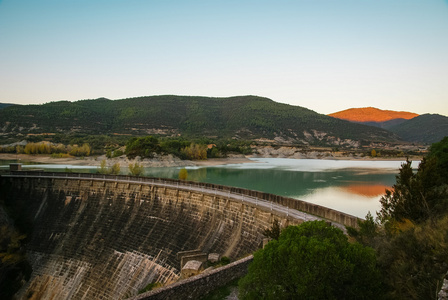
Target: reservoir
{"points": [[351, 186]]}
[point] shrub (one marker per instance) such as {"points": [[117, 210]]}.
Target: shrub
{"points": [[136, 169], [115, 169], [183, 174], [312, 261], [195, 152]]}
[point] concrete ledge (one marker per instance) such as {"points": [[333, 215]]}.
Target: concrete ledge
{"points": [[181, 254], [202, 257], [199, 285]]}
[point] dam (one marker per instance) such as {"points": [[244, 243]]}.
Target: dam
{"points": [[107, 237]]}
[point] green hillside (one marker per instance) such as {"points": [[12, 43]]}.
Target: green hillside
{"points": [[244, 117], [427, 128]]}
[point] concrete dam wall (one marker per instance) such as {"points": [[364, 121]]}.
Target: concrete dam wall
{"points": [[106, 237]]}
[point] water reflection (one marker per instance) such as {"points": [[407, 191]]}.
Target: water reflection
{"points": [[366, 190], [351, 187], [343, 200]]}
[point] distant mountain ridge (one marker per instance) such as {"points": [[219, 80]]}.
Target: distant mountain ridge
{"points": [[372, 114], [3, 105], [241, 117], [427, 128]]}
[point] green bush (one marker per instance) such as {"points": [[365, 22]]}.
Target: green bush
{"points": [[136, 169], [183, 174], [312, 261]]}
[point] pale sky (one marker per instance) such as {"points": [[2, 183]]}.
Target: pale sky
{"points": [[325, 55]]}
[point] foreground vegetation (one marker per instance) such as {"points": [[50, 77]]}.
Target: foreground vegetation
{"points": [[400, 254], [312, 261], [410, 233], [14, 232], [14, 267]]}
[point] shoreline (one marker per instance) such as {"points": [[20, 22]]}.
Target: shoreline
{"points": [[165, 161], [171, 161]]}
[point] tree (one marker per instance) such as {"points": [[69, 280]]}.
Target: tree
{"points": [[413, 259], [274, 231], [183, 174], [312, 261], [415, 196], [439, 151], [14, 267], [411, 238], [115, 169], [19, 149], [373, 153], [367, 230], [44, 148], [144, 147], [195, 152], [136, 169], [31, 148], [103, 167]]}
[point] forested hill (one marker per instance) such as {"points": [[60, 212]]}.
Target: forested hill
{"points": [[427, 128], [245, 117]]}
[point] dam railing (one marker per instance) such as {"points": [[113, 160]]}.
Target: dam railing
{"points": [[289, 207]]}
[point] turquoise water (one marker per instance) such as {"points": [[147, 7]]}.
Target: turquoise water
{"points": [[354, 187]]}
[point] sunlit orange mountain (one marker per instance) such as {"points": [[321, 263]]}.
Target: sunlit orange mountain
{"points": [[372, 114]]}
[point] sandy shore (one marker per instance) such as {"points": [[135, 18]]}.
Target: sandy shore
{"points": [[167, 161], [223, 161]]}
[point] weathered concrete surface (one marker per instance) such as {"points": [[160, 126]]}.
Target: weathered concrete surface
{"points": [[196, 286], [107, 240]]}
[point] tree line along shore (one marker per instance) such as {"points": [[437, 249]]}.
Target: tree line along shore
{"points": [[150, 150]]}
